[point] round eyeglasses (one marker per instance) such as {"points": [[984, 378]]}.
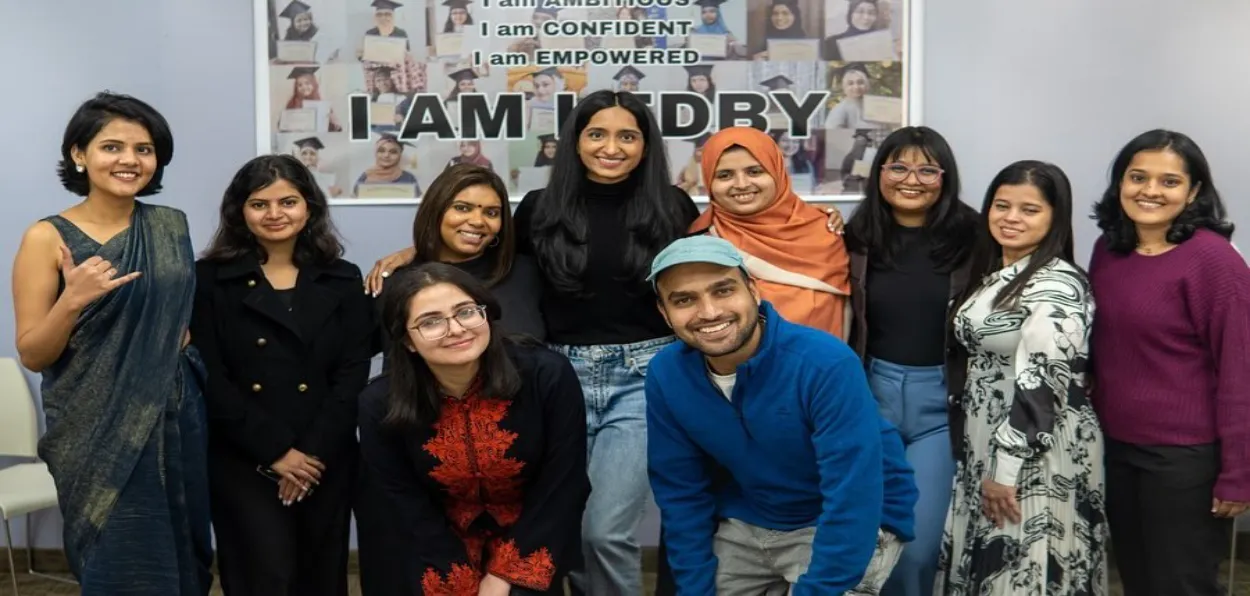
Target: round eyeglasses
{"points": [[898, 172], [436, 328]]}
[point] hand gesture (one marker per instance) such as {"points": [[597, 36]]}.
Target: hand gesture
{"points": [[300, 469], [385, 267], [290, 492], [90, 279]]}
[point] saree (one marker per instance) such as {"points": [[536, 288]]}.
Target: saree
{"points": [[125, 437]]}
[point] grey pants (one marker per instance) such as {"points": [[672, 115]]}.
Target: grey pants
{"points": [[754, 561]]}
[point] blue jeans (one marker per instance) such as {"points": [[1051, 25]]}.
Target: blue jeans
{"points": [[612, 379], [913, 399]]}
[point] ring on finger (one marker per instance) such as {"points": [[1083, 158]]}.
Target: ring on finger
{"points": [[386, 273]]}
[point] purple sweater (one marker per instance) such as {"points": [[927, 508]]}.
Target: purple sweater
{"points": [[1171, 351]]}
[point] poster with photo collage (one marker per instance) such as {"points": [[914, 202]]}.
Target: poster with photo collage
{"points": [[341, 83]]}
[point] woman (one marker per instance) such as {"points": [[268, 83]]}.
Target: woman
{"points": [[542, 107], [302, 28], [862, 17], [477, 443], [470, 154], [785, 21], [690, 177], [598, 309], [306, 94], [286, 337], [699, 80], [802, 268], [909, 248], [849, 113], [546, 155], [1171, 367], [712, 22], [102, 311], [1027, 512], [458, 16], [383, 92], [388, 154]]}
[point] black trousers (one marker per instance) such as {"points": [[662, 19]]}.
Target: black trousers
{"points": [[1164, 538], [267, 549]]}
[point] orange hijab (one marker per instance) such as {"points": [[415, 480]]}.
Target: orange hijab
{"points": [[801, 267]]}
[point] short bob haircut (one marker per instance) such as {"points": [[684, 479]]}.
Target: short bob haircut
{"points": [[415, 397], [91, 117], [437, 200], [950, 223], [318, 243], [1207, 210]]}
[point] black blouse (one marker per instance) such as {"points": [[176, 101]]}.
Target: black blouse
{"points": [[495, 486]]}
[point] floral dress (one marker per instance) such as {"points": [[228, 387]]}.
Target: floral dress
{"points": [[1028, 424]]}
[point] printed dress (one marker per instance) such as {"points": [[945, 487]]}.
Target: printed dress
{"points": [[1028, 423]]}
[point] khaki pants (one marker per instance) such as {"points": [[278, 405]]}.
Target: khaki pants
{"points": [[754, 561]]}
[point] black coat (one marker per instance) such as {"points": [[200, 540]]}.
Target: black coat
{"points": [[279, 379]]}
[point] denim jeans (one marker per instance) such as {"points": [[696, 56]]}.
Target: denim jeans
{"points": [[612, 379], [913, 399]]}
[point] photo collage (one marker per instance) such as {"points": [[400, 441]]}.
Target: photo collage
{"points": [[323, 51]]}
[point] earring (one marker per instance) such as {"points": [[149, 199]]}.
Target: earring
{"points": [[78, 167], [494, 243]]}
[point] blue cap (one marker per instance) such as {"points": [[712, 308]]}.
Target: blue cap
{"points": [[696, 249]]}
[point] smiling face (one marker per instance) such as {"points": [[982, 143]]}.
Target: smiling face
{"points": [[629, 83], [459, 16], [711, 308], [309, 156], [1156, 188], [902, 186], [708, 14], [1019, 218], [120, 160], [302, 22], [864, 16], [276, 214], [700, 83], [544, 87], [470, 224], [611, 145], [854, 84], [445, 308], [384, 18], [466, 85], [306, 86], [549, 149], [740, 185], [382, 82], [782, 17], [387, 154]]}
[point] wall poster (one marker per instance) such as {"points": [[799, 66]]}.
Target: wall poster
{"points": [[377, 97]]}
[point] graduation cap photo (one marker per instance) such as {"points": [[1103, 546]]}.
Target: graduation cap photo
{"points": [[300, 71], [777, 82], [463, 74], [294, 9], [629, 71], [710, 3], [547, 138], [551, 11], [310, 143], [386, 5], [457, 3], [550, 71], [699, 70]]}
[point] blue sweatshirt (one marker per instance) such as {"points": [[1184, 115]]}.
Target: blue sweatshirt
{"points": [[799, 444]]}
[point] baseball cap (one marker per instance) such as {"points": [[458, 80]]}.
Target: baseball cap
{"points": [[696, 249]]}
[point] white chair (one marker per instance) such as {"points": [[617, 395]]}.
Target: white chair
{"points": [[25, 487]]}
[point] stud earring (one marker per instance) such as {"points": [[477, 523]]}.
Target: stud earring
{"points": [[79, 168]]}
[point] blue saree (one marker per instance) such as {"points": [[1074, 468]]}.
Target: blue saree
{"points": [[126, 433]]}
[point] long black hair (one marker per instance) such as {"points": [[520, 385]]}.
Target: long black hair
{"points": [[950, 223], [559, 227], [415, 396], [318, 243], [1205, 212], [437, 201], [1055, 188]]}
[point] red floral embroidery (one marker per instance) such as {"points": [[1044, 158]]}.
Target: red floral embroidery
{"points": [[534, 572], [462, 581]]}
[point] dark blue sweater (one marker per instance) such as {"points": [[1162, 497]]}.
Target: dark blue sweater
{"points": [[800, 444]]}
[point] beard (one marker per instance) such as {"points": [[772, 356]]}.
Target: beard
{"points": [[744, 335]]}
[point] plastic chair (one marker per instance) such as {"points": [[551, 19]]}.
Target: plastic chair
{"points": [[25, 487]]}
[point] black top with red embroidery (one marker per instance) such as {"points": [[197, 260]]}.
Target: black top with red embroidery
{"points": [[495, 486]]}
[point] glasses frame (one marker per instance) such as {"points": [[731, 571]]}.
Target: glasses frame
{"points": [[479, 308], [911, 170]]}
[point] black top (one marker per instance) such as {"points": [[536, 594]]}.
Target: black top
{"points": [[497, 482], [615, 310], [278, 378], [906, 307], [287, 297]]}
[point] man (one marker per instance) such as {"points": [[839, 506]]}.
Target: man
{"points": [[772, 469]]}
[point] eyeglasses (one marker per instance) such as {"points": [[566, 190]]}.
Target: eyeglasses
{"points": [[436, 328], [898, 172]]}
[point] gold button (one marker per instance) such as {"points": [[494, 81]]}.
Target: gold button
{"points": [[260, 341], [255, 387], [303, 387], [251, 283]]}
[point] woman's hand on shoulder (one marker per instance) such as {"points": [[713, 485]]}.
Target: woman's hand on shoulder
{"points": [[385, 267], [836, 225]]}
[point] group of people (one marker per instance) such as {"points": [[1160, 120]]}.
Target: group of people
{"points": [[927, 400]]}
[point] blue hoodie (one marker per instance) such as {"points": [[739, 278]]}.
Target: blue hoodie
{"points": [[800, 444]]}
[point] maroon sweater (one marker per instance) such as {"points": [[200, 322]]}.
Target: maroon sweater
{"points": [[1171, 351]]}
